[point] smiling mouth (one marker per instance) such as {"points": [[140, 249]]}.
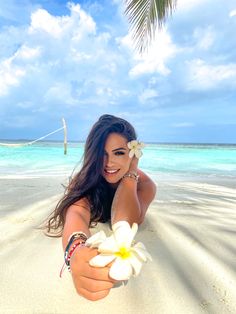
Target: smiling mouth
{"points": [[114, 171]]}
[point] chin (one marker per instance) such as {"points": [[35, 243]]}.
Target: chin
{"points": [[112, 180]]}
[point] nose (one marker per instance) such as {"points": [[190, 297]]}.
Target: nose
{"points": [[108, 161]]}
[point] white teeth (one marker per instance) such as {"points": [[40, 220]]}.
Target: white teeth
{"points": [[111, 171]]}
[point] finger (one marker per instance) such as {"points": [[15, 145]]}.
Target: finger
{"points": [[87, 252], [83, 255], [92, 285], [93, 296], [97, 273], [92, 252], [83, 268]]}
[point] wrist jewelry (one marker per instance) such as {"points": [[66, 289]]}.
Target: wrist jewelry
{"points": [[79, 236], [132, 175], [69, 254]]}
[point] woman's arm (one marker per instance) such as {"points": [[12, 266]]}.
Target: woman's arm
{"points": [[146, 192], [90, 282], [132, 198], [77, 219]]}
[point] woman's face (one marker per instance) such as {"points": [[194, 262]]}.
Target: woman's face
{"points": [[116, 158]]}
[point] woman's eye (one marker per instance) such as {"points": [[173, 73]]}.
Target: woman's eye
{"points": [[119, 153]]}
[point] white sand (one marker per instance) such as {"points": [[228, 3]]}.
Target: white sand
{"points": [[190, 231]]}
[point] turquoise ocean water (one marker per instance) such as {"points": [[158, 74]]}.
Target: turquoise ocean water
{"points": [[47, 159]]}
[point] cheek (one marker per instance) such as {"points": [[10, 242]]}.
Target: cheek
{"points": [[126, 163]]}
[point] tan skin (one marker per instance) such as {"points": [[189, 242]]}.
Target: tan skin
{"points": [[91, 282]]}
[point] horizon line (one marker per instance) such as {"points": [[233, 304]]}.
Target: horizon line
{"points": [[83, 141]]}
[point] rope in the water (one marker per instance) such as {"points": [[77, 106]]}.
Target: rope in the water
{"points": [[32, 142]]}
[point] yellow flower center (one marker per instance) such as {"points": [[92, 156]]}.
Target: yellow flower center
{"points": [[123, 253]]}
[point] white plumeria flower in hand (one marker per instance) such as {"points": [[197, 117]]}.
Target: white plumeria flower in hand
{"points": [[96, 239], [118, 248], [135, 148]]}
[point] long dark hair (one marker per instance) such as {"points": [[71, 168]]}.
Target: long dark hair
{"points": [[88, 182]]}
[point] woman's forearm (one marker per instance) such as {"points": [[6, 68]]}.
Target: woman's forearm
{"points": [[125, 204], [77, 219]]}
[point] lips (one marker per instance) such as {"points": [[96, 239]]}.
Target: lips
{"points": [[111, 171]]}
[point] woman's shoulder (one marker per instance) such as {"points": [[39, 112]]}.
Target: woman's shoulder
{"points": [[145, 182], [143, 176], [82, 203]]}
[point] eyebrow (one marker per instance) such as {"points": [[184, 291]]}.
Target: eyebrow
{"points": [[120, 148]]}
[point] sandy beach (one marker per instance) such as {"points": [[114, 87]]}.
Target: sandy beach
{"points": [[190, 231]]}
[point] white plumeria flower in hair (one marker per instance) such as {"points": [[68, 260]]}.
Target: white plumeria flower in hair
{"points": [[127, 257], [135, 148]]}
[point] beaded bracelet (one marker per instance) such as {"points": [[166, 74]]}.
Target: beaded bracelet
{"points": [[74, 236], [67, 260], [69, 253], [78, 235], [132, 175]]}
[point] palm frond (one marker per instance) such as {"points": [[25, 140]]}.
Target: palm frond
{"points": [[144, 16]]}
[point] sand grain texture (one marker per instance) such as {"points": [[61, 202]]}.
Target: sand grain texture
{"points": [[190, 231]]}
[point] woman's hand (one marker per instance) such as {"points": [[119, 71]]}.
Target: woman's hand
{"points": [[134, 164], [93, 283]]}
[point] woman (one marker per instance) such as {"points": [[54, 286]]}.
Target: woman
{"points": [[109, 186]]}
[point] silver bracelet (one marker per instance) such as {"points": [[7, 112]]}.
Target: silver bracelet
{"points": [[78, 235], [132, 175]]}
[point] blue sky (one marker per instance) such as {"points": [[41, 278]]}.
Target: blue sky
{"points": [[76, 60]]}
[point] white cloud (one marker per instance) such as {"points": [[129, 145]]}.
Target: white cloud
{"points": [[104, 91], [80, 56], [10, 75], [52, 44], [203, 76], [65, 64], [11, 72], [21, 121], [232, 13], [154, 61], [59, 92], [42, 20], [148, 95], [187, 5], [25, 52], [78, 24], [205, 37], [83, 22]]}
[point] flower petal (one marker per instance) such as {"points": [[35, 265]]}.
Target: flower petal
{"points": [[134, 229], [141, 251], [136, 264], [132, 144], [138, 153], [129, 145], [109, 245], [123, 234], [101, 260], [119, 224], [131, 153], [96, 239], [141, 145], [121, 269], [140, 245]]}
